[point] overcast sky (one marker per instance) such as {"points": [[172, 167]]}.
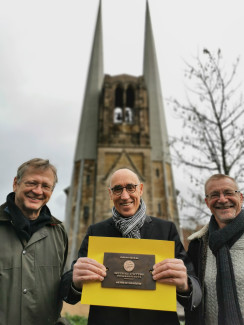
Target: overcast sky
{"points": [[45, 48]]}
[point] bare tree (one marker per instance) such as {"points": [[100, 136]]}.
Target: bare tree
{"points": [[213, 134]]}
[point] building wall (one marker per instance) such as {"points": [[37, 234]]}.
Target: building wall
{"points": [[121, 142]]}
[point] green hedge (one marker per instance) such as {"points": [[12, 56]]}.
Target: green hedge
{"points": [[75, 319]]}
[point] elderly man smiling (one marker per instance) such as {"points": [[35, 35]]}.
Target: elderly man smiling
{"points": [[218, 254], [33, 251], [130, 220]]}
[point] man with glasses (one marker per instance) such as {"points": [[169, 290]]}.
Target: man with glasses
{"points": [[130, 220], [217, 251], [33, 249]]}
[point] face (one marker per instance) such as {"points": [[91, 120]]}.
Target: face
{"points": [[31, 200], [223, 208], [127, 203]]}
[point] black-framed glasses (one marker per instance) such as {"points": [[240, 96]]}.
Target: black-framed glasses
{"points": [[227, 193], [45, 187], [118, 189]]}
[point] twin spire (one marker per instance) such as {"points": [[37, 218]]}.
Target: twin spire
{"points": [[86, 147], [82, 203]]}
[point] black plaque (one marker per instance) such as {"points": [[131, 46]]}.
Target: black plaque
{"points": [[129, 271]]}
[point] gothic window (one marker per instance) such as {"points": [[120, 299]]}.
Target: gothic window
{"points": [[130, 99], [118, 115], [157, 172], [128, 115], [118, 112], [86, 213], [119, 97]]}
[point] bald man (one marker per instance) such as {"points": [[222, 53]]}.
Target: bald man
{"points": [[130, 220]]}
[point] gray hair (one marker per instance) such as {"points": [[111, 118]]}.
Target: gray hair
{"points": [[37, 163], [216, 177]]}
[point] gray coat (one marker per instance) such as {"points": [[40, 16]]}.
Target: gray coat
{"points": [[30, 273]]}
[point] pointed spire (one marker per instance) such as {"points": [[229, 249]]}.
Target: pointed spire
{"points": [[86, 147], [158, 130]]}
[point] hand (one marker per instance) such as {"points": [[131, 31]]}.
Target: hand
{"points": [[172, 271], [87, 269]]}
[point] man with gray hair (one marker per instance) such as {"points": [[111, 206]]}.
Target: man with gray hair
{"points": [[33, 249], [217, 252], [130, 220]]}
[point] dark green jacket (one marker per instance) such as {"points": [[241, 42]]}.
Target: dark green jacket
{"points": [[30, 273]]}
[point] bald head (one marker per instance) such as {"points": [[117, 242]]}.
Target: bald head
{"points": [[125, 191], [124, 172]]}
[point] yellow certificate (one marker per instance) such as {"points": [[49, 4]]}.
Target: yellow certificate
{"points": [[162, 298]]}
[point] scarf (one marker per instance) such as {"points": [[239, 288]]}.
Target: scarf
{"points": [[130, 226], [220, 242], [24, 227]]}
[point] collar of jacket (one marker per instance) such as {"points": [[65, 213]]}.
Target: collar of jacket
{"points": [[148, 219], [199, 234], [5, 216]]}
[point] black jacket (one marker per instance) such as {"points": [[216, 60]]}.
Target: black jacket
{"points": [[153, 228]]}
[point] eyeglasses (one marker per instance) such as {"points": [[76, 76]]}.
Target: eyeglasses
{"points": [[45, 187], [118, 190], [227, 193]]}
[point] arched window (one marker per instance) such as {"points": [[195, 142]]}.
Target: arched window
{"points": [[119, 97], [157, 172], [118, 111], [130, 99], [86, 213], [128, 115], [118, 115]]}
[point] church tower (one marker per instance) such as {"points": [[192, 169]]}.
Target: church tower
{"points": [[122, 125]]}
